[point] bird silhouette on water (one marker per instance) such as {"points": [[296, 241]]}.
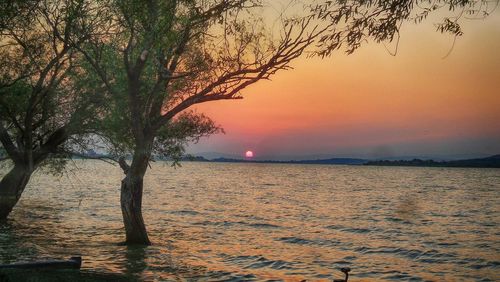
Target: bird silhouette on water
{"points": [[345, 270]]}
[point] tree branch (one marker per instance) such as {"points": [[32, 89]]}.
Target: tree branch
{"points": [[7, 143]]}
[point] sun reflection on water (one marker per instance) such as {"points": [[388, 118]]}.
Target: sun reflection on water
{"points": [[215, 221]]}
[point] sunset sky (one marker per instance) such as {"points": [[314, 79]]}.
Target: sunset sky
{"points": [[371, 104]]}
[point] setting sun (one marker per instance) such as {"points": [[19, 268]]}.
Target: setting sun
{"points": [[249, 154]]}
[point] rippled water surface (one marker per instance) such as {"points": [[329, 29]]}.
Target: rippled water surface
{"points": [[218, 221]]}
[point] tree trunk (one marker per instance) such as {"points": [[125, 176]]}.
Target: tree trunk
{"points": [[131, 203], [11, 187], [131, 199]]}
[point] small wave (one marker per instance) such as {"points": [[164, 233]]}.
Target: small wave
{"points": [[431, 256], [476, 263], [317, 242], [258, 261], [234, 223], [357, 230], [448, 244], [295, 240], [335, 227], [323, 276], [215, 223], [263, 225], [402, 277], [398, 220], [225, 276], [352, 229], [187, 212], [274, 264], [434, 256]]}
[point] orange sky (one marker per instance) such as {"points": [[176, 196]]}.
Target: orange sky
{"points": [[371, 104]]}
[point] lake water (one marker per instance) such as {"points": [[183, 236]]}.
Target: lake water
{"points": [[220, 221]]}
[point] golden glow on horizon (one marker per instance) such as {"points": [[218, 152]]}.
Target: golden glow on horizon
{"points": [[371, 98]]}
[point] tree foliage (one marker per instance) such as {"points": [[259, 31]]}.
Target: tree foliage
{"points": [[162, 57], [43, 102], [159, 58], [352, 22]]}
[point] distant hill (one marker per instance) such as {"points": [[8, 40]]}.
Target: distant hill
{"points": [[332, 161], [190, 158], [492, 161]]}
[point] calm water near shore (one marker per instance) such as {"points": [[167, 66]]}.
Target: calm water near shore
{"points": [[222, 221]]}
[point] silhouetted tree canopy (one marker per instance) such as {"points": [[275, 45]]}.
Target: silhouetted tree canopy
{"points": [[352, 22], [160, 58], [45, 108]]}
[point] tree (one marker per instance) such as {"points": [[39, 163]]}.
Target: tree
{"points": [[163, 57], [43, 102], [160, 58]]}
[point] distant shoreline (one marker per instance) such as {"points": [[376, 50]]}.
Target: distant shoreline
{"points": [[333, 161], [488, 162]]}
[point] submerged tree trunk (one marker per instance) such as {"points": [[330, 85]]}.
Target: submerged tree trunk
{"points": [[131, 198], [11, 187], [131, 203]]}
